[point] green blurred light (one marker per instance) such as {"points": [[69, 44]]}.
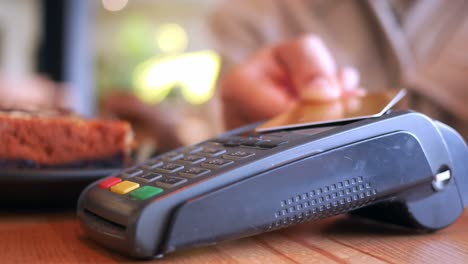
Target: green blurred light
{"points": [[132, 39], [195, 73]]}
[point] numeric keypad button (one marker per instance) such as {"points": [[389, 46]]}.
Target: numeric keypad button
{"points": [[194, 172], [192, 159], [250, 142], [172, 156], [130, 173], [213, 151], [271, 143], [230, 141], [193, 149], [238, 155], [150, 165], [216, 163], [169, 168], [170, 181], [149, 177]]}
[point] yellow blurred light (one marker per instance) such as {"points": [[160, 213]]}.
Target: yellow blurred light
{"points": [[171, 38], [114, 5], [195, 73]]}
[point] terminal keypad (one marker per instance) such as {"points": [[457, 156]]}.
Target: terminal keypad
{"points": [[167, 172]]}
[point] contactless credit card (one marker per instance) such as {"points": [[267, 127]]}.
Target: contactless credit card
{"points": [[370, 105]]}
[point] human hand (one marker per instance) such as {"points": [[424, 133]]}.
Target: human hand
{"points": [[146, 120], [277, 77]]}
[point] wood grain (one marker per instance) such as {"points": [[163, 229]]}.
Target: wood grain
{"points": [[28, 237]]}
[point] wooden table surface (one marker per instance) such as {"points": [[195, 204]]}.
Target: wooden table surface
{"points": [[38, 237]]}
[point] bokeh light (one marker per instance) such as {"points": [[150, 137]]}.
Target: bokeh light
{"points": [[171, 38], [132, 38], [114, 5], [195, 73]]}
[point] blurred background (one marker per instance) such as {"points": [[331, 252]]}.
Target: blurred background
{"points": [[160, 51]]}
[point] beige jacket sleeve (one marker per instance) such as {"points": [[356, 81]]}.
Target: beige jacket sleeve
{"points": [[421, 46]]}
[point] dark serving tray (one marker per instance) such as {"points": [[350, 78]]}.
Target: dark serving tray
{"points": [[46, 187]]}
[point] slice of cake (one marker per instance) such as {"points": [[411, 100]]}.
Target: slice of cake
{"points": [[53, 139]]}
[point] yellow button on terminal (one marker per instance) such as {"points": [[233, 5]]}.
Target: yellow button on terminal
{"points": [[124, 187]]}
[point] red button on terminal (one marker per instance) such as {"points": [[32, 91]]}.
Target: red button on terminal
{"points": [[109, 182]]}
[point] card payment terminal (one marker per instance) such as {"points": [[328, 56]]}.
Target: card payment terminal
{"points": [[401, 167]]}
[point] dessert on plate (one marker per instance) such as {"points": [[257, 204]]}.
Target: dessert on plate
{"points": [[58, 139]]}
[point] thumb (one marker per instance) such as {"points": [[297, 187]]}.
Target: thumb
{"points": [[311, 68]]}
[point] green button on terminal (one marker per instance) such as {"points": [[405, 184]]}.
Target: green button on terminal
{"points": [[145, 192]]}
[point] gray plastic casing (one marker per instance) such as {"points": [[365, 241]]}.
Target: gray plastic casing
{"points": [[173, 221]]}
